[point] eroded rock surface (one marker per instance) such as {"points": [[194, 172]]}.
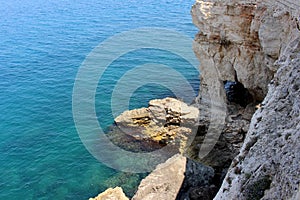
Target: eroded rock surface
{"points": [[165, 121], [238, 42], [247, 42], [240, 39], [267, 166]]}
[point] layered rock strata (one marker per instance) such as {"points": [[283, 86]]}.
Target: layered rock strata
{"points": [[267, 166], [165, 121], [246, 45], [239, 42], [247, 42]]}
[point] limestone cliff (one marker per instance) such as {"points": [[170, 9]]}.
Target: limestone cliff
{"points": [[249, 55], [247, 43], [238, 42], [241, 40], [267, 166]]}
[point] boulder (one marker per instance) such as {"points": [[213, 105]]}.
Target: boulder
{"points": [[165, 121]]}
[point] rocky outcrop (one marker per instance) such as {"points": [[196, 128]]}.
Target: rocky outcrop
{"points": [[267, 166], [243, 46], [238, 44], [240, 40], [246, 43], [166, 121], [111, 194], [178, 178]]}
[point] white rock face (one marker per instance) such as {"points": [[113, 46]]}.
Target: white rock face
{"points": [[268, 164], [250, 42], [242, 39]]}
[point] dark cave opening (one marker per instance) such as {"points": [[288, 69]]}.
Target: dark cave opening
{"points": [[237, 93]]}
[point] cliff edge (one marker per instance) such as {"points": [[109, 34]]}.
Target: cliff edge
{"points": [[249, 52], [267, 166], [254, 44]]}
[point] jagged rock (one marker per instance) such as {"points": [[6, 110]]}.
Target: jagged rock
{"points": [[243, 41], [160, 111], [164, 121], [164, 182], [239, 42], [267, 166], [133, 118], [111, 194], [194, 180], [239, 39]]}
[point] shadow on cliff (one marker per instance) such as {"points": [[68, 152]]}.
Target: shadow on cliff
{"points": [[200, 182]]}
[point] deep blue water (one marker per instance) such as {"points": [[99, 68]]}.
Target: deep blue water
{"points": [[42, 45]]}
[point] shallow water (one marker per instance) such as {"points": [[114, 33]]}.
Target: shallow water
{"points": [[42, 45]]}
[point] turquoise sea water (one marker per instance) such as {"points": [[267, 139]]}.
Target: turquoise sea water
{"points": [[42, 45]]}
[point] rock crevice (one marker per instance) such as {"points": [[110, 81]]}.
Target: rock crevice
{"points": [[256, 44], [250, 61], [238, 45]]}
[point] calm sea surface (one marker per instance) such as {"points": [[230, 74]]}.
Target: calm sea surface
{"points": [[42, 45]]}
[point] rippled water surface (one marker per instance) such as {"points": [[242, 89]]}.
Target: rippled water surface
{"points": [[42, 45]]}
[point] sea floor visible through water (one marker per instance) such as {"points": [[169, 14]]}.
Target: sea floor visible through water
{"points": [[42, 46]]}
